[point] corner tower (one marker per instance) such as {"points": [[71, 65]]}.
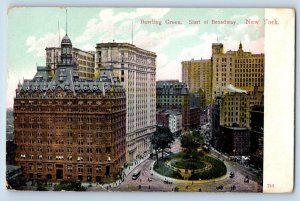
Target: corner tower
{"points": [[66, 51]]}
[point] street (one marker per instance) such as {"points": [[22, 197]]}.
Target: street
{"points": [[149, 180]]}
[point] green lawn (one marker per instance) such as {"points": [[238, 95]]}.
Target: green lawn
{"points": [[161, 168], [218, 168]]}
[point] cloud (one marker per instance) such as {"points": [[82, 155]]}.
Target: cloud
{"points": [[12, 80], [155, 41], [171, 70], [200, 50], [88, 47], [37, 46], [105, 24], [256, 46], [161, 60]]}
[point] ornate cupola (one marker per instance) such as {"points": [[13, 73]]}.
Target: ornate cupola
{"points": [[66, 47], [66, 50]]}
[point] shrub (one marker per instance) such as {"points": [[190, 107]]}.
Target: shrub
{"points": [[162, 169], [69, 185], [218, 169], [187, 164]]}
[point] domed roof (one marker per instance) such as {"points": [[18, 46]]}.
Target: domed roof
{"points": [[66, 40]]}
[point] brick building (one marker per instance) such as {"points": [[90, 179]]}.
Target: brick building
{"points": [[67, 127]]}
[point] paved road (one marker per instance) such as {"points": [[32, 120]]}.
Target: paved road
{"points": [[157, 181]]}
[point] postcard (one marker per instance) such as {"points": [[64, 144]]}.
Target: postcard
{"points": [[150, 99]]}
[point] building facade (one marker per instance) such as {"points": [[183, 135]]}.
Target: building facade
{"points": [[175, 122], [241, 69], [67, 127], [197, 75], [162, 118], [85, 61], [136, 69], [173, 95], [235, 108], [234, 141]]}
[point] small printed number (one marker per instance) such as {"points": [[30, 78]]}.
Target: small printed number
{"points": [[270, 185]]}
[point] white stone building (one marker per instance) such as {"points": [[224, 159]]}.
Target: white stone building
{"points": [[136, 69], [175, 122]]}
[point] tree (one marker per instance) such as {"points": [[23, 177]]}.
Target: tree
{"points": [[190, 142], [162, 139]]}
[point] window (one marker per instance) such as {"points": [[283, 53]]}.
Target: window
{"points": [[98, 169], [89, 169], [80, 168], [69, 168]]}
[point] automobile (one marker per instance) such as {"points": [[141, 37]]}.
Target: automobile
{"points": [[136, 174], [231, 175], [246, 180]]}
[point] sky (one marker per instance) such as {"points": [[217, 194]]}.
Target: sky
{"points": [[31, 30]]}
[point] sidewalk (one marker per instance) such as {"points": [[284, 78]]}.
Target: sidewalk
{"points": [[125, 173]]}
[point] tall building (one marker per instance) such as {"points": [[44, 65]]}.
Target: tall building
{"points": [[239, 68], [136, 69], [85, 61], [197, 75], [67, 127]]}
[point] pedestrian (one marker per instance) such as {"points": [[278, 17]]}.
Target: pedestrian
{"points": [[149, 187]]}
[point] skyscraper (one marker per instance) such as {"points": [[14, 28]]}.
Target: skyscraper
{"points": [[136, 69], [197, 75], [240, 69]]}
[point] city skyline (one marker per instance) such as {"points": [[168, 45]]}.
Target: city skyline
{"points": [[172, 43]]}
